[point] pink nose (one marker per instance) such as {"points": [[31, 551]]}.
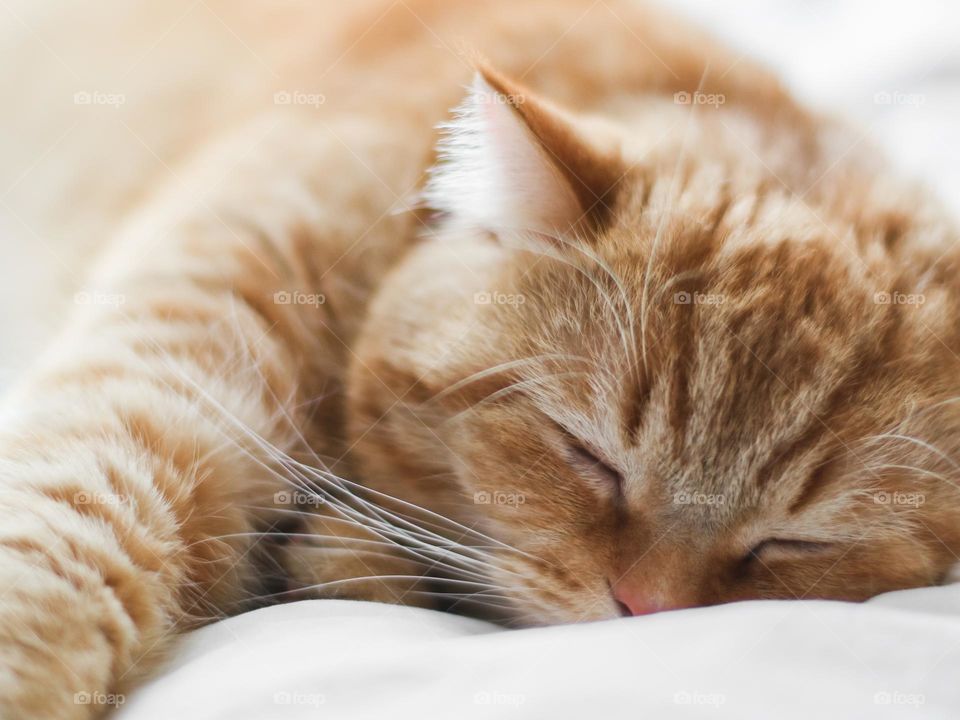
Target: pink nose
{"points": [[633, 598], [632, 601]]}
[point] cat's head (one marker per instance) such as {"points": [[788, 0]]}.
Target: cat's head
{"points": [[663, 386]]}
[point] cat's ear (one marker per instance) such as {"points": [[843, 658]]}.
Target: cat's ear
{"points": [[510, 162]]}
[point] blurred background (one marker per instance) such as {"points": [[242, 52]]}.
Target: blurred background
{"points": [[891, 68]]}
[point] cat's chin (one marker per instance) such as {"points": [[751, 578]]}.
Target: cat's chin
{"points": [[533, 615]]}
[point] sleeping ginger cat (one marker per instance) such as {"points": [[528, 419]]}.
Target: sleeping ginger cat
{"points": [[649, 335]]}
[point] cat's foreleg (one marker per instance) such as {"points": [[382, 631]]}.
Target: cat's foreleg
{"points": [[142, 456]]}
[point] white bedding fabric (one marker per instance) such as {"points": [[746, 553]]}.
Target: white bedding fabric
{"points": [[896, 657]]}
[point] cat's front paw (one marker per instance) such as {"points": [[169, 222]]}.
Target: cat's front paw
{"points": [[62, 631], [40, 680], [351, 565]]}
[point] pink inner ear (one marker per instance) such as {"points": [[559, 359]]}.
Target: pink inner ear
{"points": [[495, 173], [536, 195]]}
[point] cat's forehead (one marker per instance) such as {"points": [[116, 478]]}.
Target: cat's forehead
{"points": [[709, 367], [685, 290]]}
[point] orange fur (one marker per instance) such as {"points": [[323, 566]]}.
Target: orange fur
{"points": [[707, 327]]}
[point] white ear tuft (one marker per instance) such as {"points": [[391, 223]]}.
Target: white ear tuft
{"points": [[494, 173]]}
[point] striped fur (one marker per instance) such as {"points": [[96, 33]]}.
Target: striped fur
{"points": [[285, 377]]}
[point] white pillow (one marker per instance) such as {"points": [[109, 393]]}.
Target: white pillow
{"points": [[897, 656]]}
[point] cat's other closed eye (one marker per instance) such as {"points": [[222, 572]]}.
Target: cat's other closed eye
{"points": [[776, 548], [588, 463]]}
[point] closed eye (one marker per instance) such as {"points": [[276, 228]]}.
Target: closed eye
{"points": [[587, 463], [784, 547]]}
